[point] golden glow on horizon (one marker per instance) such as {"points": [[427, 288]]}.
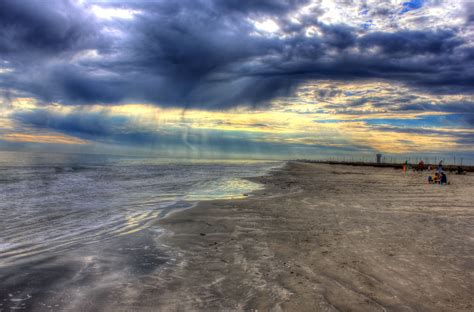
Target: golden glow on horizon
{"points": [[42, 138], [309, 118]]}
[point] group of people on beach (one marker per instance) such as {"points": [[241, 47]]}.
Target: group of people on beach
{"points": [[439, 177]]}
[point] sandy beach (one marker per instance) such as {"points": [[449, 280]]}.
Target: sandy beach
{"points": [[236, 156], [325, 238], [317, 237]]}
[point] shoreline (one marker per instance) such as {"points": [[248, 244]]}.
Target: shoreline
{"points": [[315, 237], [105, 275], [255, 179], [285, 246], [450, 168]]}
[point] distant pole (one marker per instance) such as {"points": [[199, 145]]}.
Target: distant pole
{"points": [[455, 160], [379, 158]]}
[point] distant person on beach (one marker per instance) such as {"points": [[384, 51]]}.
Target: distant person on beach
{"points": [[421, 165], [443, 179], [440, 166]]}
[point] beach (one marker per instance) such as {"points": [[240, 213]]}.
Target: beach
{"points": [[226, 155], [326, 238], [315, 237]]}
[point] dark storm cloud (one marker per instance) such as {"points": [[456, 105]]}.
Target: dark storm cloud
{"points": [[408, 43], [86, 125], [328, 93], [78, 124], [338, 36], [37, 28], [261, 6], [208, 53]]}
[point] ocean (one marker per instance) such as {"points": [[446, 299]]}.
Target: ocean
{"points": [[54, 203]]}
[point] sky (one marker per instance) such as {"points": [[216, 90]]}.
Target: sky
{"points": [[240, 79]]}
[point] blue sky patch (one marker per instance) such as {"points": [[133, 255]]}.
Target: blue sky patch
{"points": [[432, 121], [429, 121], [411, 5]]}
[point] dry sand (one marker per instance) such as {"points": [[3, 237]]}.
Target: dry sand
{"points": [[324, 238]]}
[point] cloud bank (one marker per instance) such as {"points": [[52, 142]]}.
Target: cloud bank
{"points": [[219, 54], [270, 75]]}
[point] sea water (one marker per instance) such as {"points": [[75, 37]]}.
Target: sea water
{"points": [[51, 203]]}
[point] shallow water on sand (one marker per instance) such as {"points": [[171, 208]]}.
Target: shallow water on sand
{"points": [[53, 203]]}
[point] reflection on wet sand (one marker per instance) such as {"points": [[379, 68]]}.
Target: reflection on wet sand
{"points": [[81, 235]]}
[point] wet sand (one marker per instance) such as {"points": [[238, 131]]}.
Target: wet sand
{"points": [[326, 238], [318, 238]]}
